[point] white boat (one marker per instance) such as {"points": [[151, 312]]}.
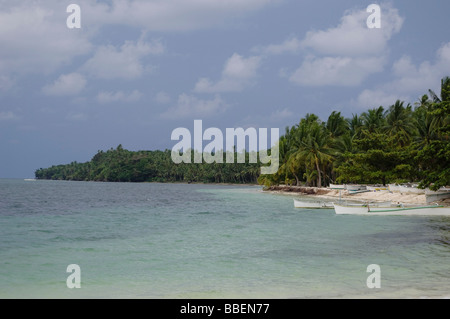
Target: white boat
{"points": [[335, 186], [316, 204], [406, 189], [354, 188], [410, 190], [322, 204], [435, 196], [377, 188], [392, 210], [372, 204], [394, 187], [440, 190]]}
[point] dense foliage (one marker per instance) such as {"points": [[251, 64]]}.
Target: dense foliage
{"points": [[120, 165], [380, 146], [399, 144]]}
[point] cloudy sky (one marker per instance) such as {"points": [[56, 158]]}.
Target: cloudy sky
{"points": [[136, 69]]}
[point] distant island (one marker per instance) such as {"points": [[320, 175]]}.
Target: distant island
{"points": [[121, 165], [403, 143]]}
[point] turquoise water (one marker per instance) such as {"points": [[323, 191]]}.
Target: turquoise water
{"points": [[207, 241]]}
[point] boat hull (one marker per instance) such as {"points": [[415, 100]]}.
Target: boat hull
{"points": [[386, 211], [335, 186], [410, 190], [316, 205], [355, 188], [376, 188]]}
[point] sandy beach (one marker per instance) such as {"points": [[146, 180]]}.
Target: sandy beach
{"points": [[375, 196]]}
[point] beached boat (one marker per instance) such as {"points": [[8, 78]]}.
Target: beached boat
{"points": [[315, 204], [394, 187], [392, 210], [376, 188], [358, 191], [410, 190], [323, 204], [335, 186], [435, 196], [372, 204], [354, 188]]}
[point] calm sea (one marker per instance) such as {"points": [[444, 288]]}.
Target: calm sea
{"points": [[207, 241]]}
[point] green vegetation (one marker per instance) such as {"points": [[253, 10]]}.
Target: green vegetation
{"points": [[399, 144], [120, 165]]}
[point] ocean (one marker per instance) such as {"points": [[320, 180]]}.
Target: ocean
{"points": [[161, 241]]}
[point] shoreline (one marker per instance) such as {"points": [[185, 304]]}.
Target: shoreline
{"points": [[372, 196]]}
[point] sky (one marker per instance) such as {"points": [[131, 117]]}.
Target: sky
{"points": [[136, 70]]}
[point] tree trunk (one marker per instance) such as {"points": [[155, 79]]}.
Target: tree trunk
{"points": [[319, 176], [296, 178]]}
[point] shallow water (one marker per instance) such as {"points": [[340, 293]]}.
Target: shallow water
{"points": [[207, 241]]}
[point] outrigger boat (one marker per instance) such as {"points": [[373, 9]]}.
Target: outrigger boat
{"points": [[323, 204], [433, 210], [317, 204]]}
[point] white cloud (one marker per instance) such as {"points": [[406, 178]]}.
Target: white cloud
{"points": [[348, 54], [352, 37], [375, 98], [35, 38], [190, 106], [410, 81], [66, 84], [339, 71], [119, 96], [290, 45], [426, 75], [238, 73], [169, 15], [125, 62]]}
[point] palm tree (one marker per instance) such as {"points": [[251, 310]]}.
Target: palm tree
{"points": [[424, 122], [315, 150], [400, 123], [440, 109], [373, 120], [337, 125], [355, 124]]}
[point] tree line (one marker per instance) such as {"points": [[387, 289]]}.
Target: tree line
{"points": [[121, 165], [397, 144], [403, 143]]}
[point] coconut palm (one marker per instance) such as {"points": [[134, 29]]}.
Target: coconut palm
{"points": [[424, 122], [400, 123], [374, 119], [355, 124], [337, 125], [314, 150]]}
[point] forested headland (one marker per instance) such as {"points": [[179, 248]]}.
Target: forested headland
{"points": [[121, 165], [395, 144]]}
